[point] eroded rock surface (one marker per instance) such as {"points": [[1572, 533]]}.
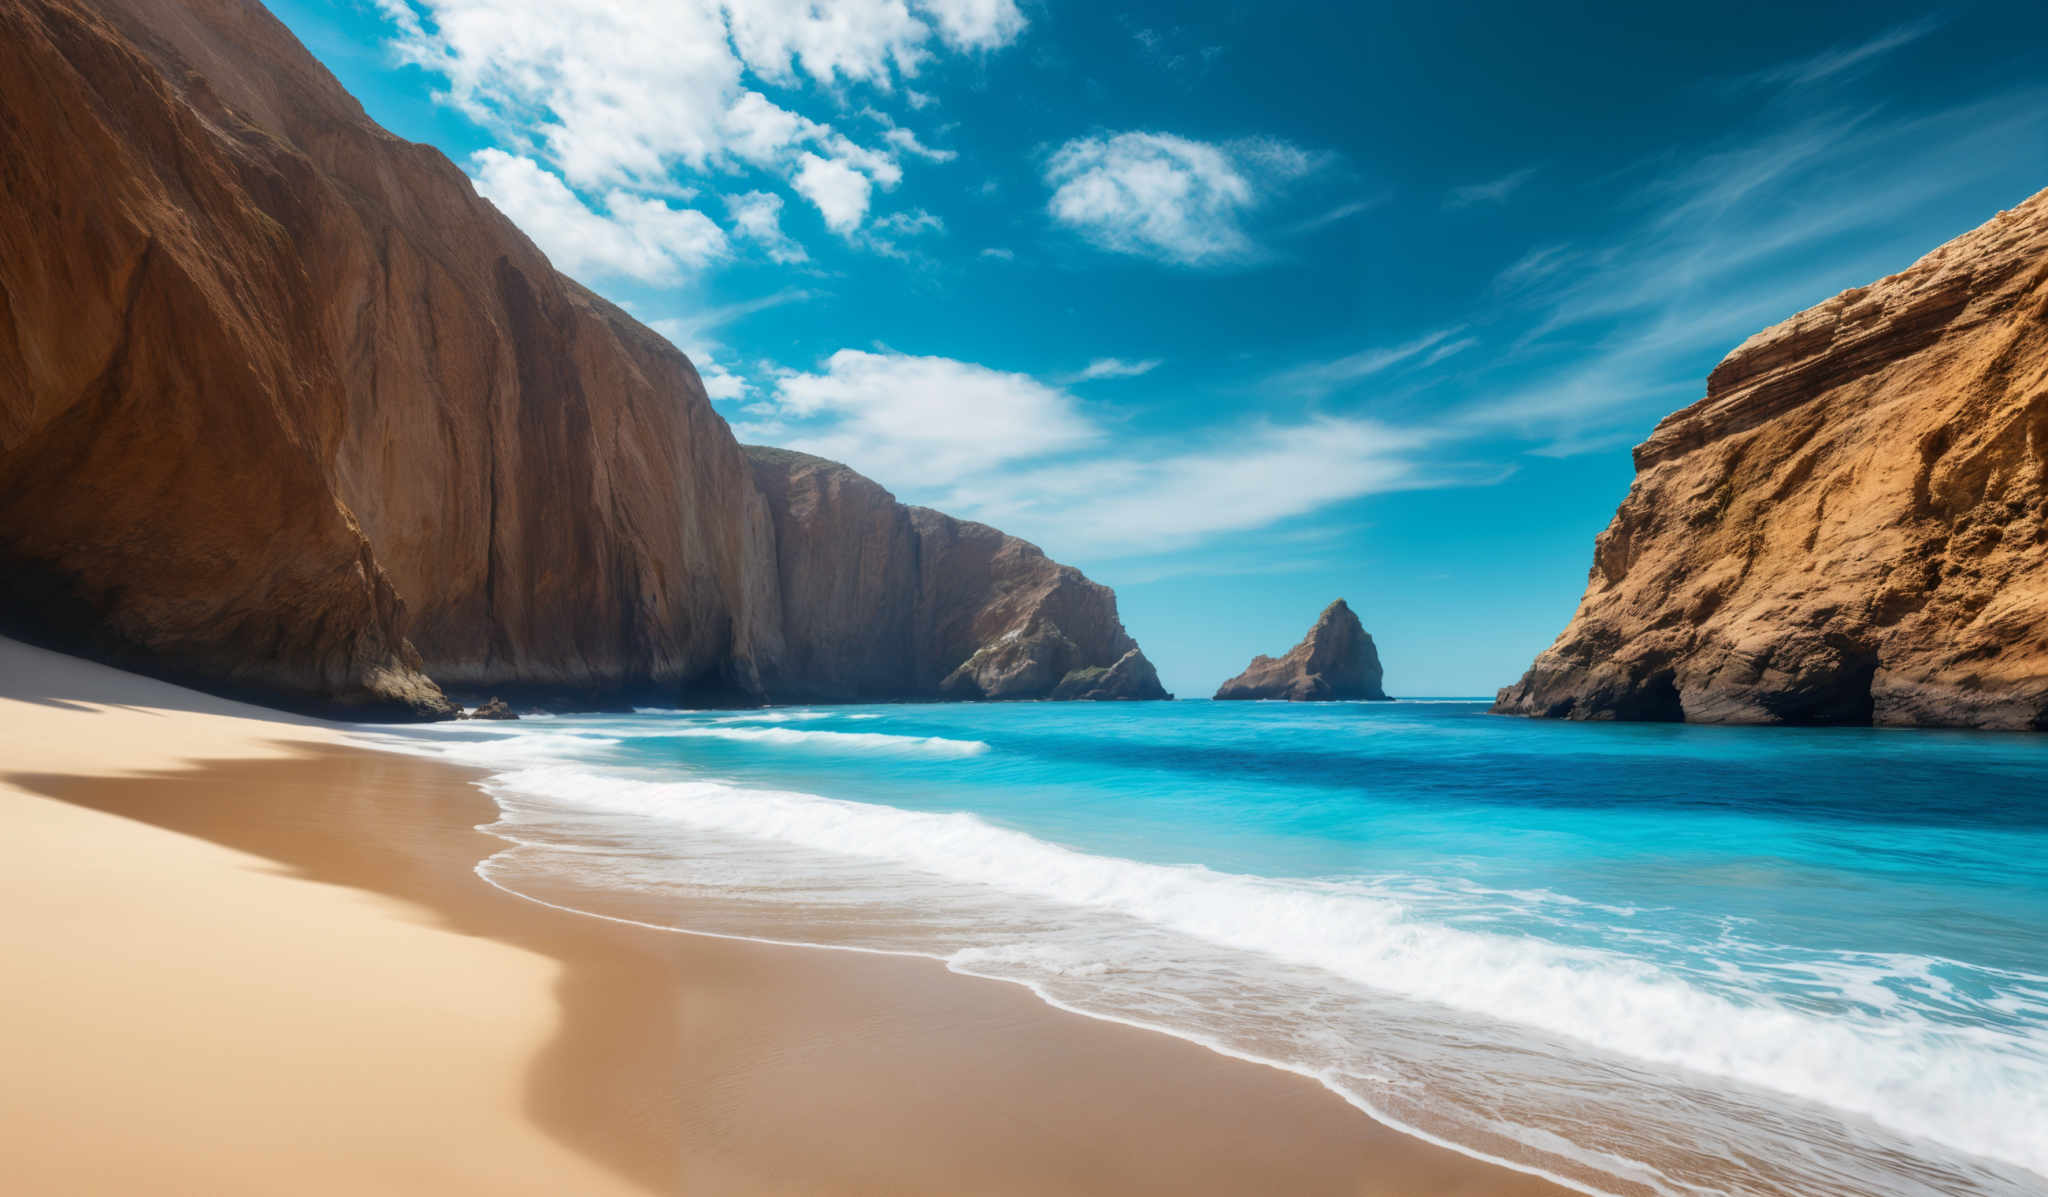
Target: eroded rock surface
{"points": [[1336, 660], [881, 600], [287, 409], [1852, 525]]}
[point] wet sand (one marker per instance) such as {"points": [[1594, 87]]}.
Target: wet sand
{"points": [[246, 957]]}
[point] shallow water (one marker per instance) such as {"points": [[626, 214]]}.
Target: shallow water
{"points": [[1640, 958]]}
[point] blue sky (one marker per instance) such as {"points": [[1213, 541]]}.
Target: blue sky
{"points": [[1239, 308]]}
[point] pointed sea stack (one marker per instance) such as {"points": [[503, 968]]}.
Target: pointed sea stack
{"points": [[1851, 527], [1335, 661]]}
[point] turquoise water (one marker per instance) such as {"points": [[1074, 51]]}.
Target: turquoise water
{"points": [[1639, 958]]}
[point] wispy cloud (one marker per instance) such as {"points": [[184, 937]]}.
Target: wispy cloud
{"points": [[757, 217], [1321, 377], [1111, 367], [1033, 459], [694, 334], [1335, 215], [1162, 497], [705, 320], [1492, 191], [1723, 245], [1838, 60], [1533, 267]]}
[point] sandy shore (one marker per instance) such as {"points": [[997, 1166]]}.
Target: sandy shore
{"points": [[244, 957]]}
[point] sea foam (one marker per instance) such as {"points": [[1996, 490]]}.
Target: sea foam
{"points": [[1963, 1064], [1989, 1091], [880, 742]]}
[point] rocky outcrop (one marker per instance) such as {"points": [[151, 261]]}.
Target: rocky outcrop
{"points": [[881, 601], [494, 708], [1336, 660], [286, 405], [1852, 525], [287, 409]]}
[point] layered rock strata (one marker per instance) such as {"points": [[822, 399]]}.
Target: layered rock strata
{"points": [[1852, 525]]}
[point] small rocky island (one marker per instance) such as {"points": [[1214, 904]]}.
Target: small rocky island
{"points": [[1335, 661]]}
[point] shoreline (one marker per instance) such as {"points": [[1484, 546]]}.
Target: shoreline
{"points": [[482, 1036]]}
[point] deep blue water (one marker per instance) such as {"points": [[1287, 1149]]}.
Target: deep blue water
{"points": [[1642, 958]]}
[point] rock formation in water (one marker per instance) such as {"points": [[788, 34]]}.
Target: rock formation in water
{"points": [[880, 600], [1852, 526], [1336, 660], [286, 409]]}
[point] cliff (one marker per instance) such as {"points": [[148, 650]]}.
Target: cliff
{"points": [[286, 409], [1852, 525], [1336, 660], [880, 600]]}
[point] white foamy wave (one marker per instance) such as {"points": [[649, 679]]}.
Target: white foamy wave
{"points": [[1974, 1088], [497, 747], [773, 717], [880, 742], [754, 716]]}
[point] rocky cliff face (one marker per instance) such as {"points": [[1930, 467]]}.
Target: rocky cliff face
{"points": [[1336, 660], [288, 405], [880, 600], [286, 408], [1852, 526]]}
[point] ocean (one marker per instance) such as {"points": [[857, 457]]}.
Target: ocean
{"points": [[1636, 958]]}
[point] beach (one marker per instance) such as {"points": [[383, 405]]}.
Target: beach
{"points": [[246, 955]]}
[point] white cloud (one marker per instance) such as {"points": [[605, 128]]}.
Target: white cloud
{"points": [[1237, 479], [617, 94], [760, 134], [998, 253], [1003, 447], [905, 140], [634, 237], [853, 40], [914, 223], [1113, 367], [934, 420], [839, 191], [719, 382], [1161, 196], [757, 217], [976, 24]]}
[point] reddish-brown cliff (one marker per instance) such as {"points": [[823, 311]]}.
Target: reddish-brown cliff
{"points": [[285, 407], [1851, 527], [886, 601]]}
